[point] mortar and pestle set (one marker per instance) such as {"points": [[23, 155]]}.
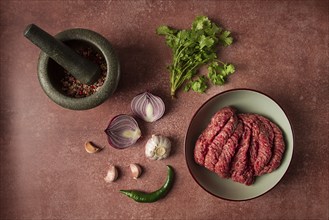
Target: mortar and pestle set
{"points": [[59, 59]]}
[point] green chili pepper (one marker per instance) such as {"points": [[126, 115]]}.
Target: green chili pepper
{"points": [[139, 196]]}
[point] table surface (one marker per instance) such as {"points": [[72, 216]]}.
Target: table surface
{"points": [[280, 48]]}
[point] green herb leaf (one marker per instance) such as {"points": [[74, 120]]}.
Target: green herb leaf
{"points": [[225, 38], [206, 42], [199, 85], [201, 22], [218, 73], [229, 68], [164, 30]]}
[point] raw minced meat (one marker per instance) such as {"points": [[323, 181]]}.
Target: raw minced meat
{"points": [[240, 146]]}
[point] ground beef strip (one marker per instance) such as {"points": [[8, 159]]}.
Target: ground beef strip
{"points": [[264, 152], [205, 139], [261, 142], [215, 148], [251, 121], [266, 138], [241, 170], [278, 150], [201, 149], [268, 126], [223, 166]]}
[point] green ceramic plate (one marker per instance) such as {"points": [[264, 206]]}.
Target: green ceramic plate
{"points": [[244, 100]]}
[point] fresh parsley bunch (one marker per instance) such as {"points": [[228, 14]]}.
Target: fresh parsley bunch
{"points": [[193, 48]]}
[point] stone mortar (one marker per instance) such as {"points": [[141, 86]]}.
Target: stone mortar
{"points": [[49, 77]]}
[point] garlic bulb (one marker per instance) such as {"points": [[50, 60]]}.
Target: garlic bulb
{"points": [[157, 147]]}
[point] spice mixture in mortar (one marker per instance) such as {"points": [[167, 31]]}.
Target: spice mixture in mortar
{"points": [[73, 87]]}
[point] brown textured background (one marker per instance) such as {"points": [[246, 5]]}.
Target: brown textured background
{"points": [[281, 48]]}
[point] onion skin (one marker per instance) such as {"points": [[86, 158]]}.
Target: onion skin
{"points": [[122, 131], [148, 107]]}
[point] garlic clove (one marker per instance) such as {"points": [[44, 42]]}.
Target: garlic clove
{"points": [[91, 148], [136, 170], [112, 174]]}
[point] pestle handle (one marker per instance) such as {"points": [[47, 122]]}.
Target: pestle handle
{"points": [[82, 69]]}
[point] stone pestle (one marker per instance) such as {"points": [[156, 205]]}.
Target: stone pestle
{"points": [[82, 69]]}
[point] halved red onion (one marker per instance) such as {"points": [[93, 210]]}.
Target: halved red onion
{"points": [[148, 107], [122, 131]]}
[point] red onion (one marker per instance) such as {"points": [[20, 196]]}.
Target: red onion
{"points": [[123, 131], [148, 107]]}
